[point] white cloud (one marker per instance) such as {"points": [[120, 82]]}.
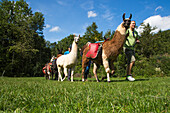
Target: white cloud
{"points": [[108, 15], [91, 14], [159, 7], [87, 5], [55, 29], [162, 23], [47, 26], [61, 2]]}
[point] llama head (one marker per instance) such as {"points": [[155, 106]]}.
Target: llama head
{"points": [[76, 39], [126, 21]]}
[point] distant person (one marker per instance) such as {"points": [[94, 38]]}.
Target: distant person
{"points": [[132, 39], [67, 52], [69, 70]]}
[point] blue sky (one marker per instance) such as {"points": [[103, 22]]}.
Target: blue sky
{"points": [[65, 17]]}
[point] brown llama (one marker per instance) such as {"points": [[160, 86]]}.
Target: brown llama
{"points": [[109, 52]]}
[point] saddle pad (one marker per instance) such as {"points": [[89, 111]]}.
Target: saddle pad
{"points": [[44, 70], [93, 50], [49, 66]]}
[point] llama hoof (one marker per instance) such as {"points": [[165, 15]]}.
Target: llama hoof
{"points": [[108, 81]]}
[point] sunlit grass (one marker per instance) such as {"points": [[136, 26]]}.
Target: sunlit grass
{"points": [[40, 95]]}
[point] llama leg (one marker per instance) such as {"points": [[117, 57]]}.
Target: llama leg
{"points": [[48, 75], [112, 67], [65, 73], [107, 69], [52, 73], [85, 62], [95, 71], [56, 74], [72, 72], [59, 72], [82, 73], [48, 71]]}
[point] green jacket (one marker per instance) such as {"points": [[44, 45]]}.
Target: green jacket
{"points": [[131, 39]]}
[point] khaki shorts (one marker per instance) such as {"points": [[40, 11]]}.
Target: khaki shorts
{"points": [[130, 55]]}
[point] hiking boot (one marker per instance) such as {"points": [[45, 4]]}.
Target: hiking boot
{"points": [[130, 78]]}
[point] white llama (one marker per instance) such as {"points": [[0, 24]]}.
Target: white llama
{"points": [[68, 61]]}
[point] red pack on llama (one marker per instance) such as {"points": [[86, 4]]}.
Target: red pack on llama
{"points": [[94, 49]]}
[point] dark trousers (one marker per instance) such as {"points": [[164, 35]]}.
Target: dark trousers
{"points": [[69, 73], [87, 70]]}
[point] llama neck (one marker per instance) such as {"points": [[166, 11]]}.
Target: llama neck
{"points": [[119, 37], [121, 29], [74, 48]]}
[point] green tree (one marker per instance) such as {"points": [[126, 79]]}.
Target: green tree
{"points": [[146, 41], [109, 34], [92, 34], [21, 31], [161, 40]]}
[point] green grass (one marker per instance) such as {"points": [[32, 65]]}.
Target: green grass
{"points": [[38, 95]]}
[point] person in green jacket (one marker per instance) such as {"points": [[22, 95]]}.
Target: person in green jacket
{"points": [[132, 39]]}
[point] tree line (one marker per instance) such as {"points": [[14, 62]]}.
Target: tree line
{"points": [[23, 48], [24, 51]]}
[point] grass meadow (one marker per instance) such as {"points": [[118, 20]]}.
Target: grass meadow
{"points": [[37, 95]]}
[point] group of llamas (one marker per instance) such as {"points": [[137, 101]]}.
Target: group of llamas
{"points": [[109, 52]]}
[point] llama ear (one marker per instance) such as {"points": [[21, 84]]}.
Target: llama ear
{"points": [[74, 35], [123, 16], [130, 16], [79, 36]]}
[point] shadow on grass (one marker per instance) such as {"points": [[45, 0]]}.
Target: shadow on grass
{"points": [[126, 80], [105, 80], [146, 79], [115, 80]]}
